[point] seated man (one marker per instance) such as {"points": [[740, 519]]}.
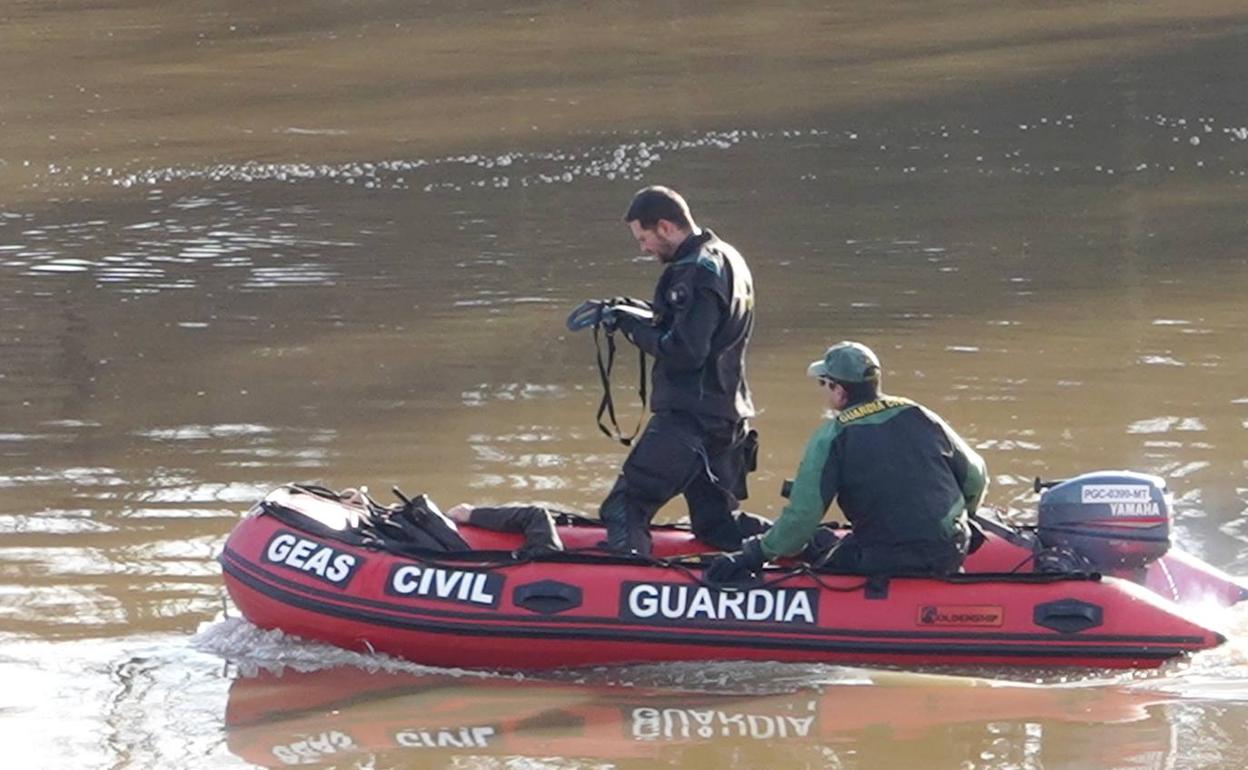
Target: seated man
{"points": [[904, 479]]}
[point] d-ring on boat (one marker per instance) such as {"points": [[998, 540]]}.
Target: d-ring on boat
{"points": [[1093, 584]]}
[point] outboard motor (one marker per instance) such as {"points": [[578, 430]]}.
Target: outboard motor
{"points": [[1114, 520]]}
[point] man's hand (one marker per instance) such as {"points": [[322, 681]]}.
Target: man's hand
{"points": [[739, 566]]}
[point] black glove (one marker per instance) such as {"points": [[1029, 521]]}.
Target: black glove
{"points": [[737, 567], [820, 545], [585, 315]]}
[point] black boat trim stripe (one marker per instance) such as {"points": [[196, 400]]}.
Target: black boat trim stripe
{"points": [[493, 559], [755, 643], [290, 592]]}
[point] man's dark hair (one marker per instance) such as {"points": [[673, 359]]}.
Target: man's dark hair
{"points": [[653, 203], [867, 390]]}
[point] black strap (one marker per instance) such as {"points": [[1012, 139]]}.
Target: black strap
{"points": [[607, 405]]}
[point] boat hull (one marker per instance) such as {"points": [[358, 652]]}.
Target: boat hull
{"points": [[581, 611]]}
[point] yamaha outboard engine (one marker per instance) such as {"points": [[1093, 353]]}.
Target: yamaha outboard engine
{"points": [[1113, 520]]}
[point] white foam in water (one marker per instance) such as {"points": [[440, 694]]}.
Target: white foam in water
{"points": [[722, 677], [68, 266], [626, 160], [1218, 674], [252, 649], [194, 432]]}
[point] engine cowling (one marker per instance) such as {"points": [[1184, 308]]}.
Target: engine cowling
{"points": [[1116, 520]]}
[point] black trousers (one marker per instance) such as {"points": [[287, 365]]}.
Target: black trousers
{"points": [[848, 555], [706, 459]]}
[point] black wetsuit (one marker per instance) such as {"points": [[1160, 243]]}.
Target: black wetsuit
{"points": [[698, 441], [534, 522]]}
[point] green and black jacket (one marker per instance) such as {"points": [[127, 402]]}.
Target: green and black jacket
{"points": [[899, 473]]}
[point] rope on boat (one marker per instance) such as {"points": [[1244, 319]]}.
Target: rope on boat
{"points": [[692, 566]]}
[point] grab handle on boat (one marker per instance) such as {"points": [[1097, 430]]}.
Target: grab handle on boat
{"points": [[1068, 616], [547, 597]]}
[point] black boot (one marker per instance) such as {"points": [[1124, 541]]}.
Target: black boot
{"points": [[628, 531]]}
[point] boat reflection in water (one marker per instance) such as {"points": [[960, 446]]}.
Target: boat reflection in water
{"points": [[346, 717]]}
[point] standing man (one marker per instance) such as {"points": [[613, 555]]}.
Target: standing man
{"points": [[905, 480], [698, 441]]}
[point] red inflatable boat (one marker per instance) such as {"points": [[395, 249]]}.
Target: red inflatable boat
{"points": [[290, 565]]}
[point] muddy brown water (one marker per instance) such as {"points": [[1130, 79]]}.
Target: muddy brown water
{"points": [[242, 245]]}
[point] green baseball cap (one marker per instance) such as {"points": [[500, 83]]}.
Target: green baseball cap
{"points": [[846, 362]]}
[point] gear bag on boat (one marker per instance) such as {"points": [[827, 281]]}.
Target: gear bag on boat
{"points": [[414, 527]]}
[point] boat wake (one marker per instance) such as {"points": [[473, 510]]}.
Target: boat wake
{"points": [[1218, 674], [255, 652], [253, 649]]}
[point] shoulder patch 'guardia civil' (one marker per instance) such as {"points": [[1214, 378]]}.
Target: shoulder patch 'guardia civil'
{"points": [[870, 408]]}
